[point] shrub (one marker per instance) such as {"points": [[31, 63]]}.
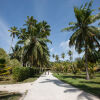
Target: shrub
{"points": [[2, 63], [4, 69], [34, 71], [20, 73], [4, 55]]}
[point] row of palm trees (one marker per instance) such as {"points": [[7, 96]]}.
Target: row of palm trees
{"points": [[56, 57], [85, 35], [31, 48]]}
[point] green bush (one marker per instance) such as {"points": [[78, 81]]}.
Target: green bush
{"points": [[2, 63], [4, 55], [20, 73], [34, 71]]}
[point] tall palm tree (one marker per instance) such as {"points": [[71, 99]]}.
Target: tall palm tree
{"points": [[57, 58], [85, 35], [14, 33], [63, 55], [97, 16], [44, 29], [70, 55], [35, 48], [53, 55]]}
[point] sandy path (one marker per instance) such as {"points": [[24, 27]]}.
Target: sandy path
{"points": [[21, 88], [47, 87]]}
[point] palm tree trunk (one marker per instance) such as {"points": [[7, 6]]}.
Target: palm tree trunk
{"points": [[22, 57], [11, 45], [86, 64], [31, 60]]}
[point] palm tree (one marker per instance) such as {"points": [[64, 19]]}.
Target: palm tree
{"points": [[97, 16], [35, 48], [53, 55], [44, 29], [57, 58], [85, 35], [70, 55], [63, 55], [15, 52], [14, 33]]}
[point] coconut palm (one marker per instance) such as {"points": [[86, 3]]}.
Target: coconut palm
{"points": [[85, 35], [44, 29], [14, 33], [97, 16], [63, 55], [57, 58], [15, 52], [53, 55], [70, 55], [35, 51], [35, 48]]}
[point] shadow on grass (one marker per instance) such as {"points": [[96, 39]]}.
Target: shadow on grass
{"points": [[74, 77], [93, 90], [90, 82], [9, 96]]}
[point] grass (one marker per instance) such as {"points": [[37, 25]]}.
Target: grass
{"points": [[9, 80], [91, 86], [9, 96]]}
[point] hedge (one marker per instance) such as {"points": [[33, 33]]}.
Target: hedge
{"points": [[22, 73]]}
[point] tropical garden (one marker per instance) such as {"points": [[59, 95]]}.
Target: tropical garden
{"points": [[30, 56], [83, 72]]}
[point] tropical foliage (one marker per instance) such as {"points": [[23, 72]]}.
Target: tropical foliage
{"points": [[30, 55], [4, 63], [31, 48], [85, 36]]}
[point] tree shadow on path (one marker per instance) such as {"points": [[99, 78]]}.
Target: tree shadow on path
{"points": [[69, 88]]}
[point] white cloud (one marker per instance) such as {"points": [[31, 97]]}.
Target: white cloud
{"points": [[65, 46]]}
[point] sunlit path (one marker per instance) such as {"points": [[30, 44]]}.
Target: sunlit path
{"points": [[47, 87]]}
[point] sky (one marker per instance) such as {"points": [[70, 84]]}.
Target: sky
{"points": [[57, 13]]}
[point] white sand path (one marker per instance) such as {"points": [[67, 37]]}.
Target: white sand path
{"points": [[47, 87]]}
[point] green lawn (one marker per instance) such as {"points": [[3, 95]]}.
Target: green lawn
{"points": [[92, 86], [9, 96]]}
